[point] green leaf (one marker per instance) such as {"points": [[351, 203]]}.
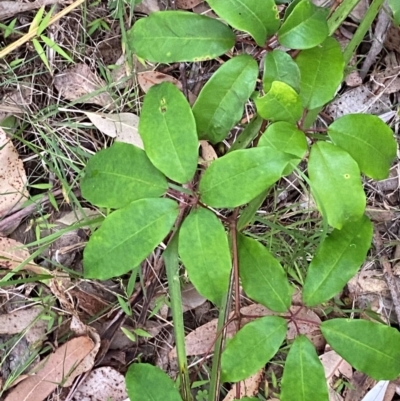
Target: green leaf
{"points": [[263, 278], [240, 176], [169, 134], [279, 66], [395, 6], [171, 36], [303, 376], [337, 260], [220, 103], [285, 137], [204, 250], [145, 382], [336, 185], [252, 347], [371, 348], [319, 84], [250, 132], [127, 237], [281, 103], [305, 27], [368, 140], [258, 18], [116, 176]]}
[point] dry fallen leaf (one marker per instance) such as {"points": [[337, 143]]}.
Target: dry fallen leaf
{"points": [[147, 7], [149, 78], [12, 176], [248, 388], [9, 8], [111, 382], [13, 253], [187, 4], [79, 81], [14, 103], [122, 126], [54, 371], [191, 298], [208, 153], [17, 321]]}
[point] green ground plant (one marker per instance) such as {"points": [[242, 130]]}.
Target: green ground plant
{"points": [[159, 195]]}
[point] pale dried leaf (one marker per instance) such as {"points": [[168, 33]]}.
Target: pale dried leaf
{"points": [[87, 362], [13, 253], [191, 298], [111, 382], [335, 365], [149, 78], [358, 12], [187, 4], [377, 393], [60, 365], [122, 76], [208, 153], [17, 321], [10, 8], [248, 388], [122, 126], [12, 176], [78, 215], [79, 81], [367, 282], [13, 103], [392, 40], [147, 7]]}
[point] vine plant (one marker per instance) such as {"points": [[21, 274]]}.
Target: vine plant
{"points": [[159, 195]]}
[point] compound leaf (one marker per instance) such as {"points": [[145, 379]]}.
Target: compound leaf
{"points": [[204, 250], [172, 36], [240, 176], [252, 347], [263, 278], [371, 348], [305, 27], [303, 376], [368, 140], [336, 185], [281, 103], [127, 236], [258, 18], [319, 84], [169, 134], [279, 66], [220, 103], [116, 176], [144, 381], [337, 260]]}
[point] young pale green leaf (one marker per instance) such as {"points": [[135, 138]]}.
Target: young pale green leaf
{"points": [[172, 36], [116, 176], [395, 6], [145, 382], [240, 176], [204, 250], [368, 140], [305, 27], [281, 103], [252, 347], [336, 185], [371, 348], [303, 376], [169, 134], [263, 278], [279, 66], [220, 103], [285, 137], [258, 18], [319, 84], [127, 237], [337, 260]]}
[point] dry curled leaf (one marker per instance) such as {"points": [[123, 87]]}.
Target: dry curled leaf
{"points": [[248, 388], [111, 382], [10, 8], [12, 176], [79, 81], [55, 370], [123, 126], [149, 78]]}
